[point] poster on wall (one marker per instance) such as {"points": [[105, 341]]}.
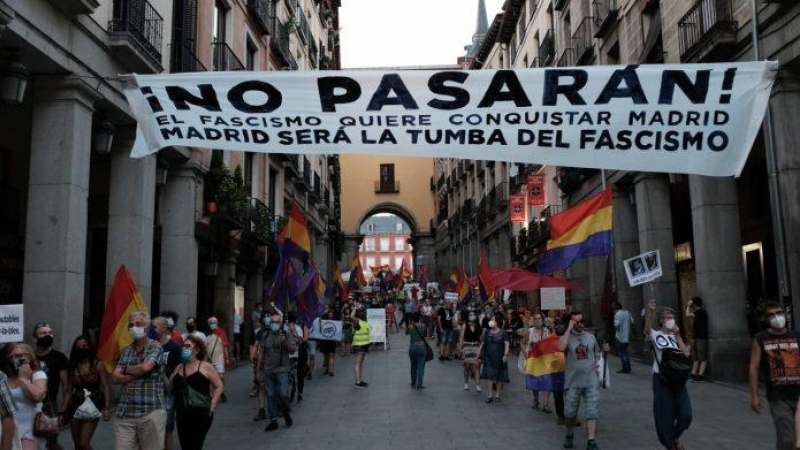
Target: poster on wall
{"points": [[677, 118]]}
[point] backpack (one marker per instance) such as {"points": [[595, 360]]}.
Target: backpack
{"points": [[674, 367]]}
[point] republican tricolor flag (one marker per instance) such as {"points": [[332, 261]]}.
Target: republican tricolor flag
{"points": [[295, 232], [123, 300], [581, 231], [357, 280]]}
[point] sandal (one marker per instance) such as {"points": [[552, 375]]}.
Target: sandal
{"points": [[547, 410], [489, 400]]}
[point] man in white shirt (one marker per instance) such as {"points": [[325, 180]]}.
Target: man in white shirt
{"points": [[622, 323]]}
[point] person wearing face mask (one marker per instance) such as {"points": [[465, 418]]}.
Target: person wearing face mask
{"points": [[191, 329], [581, 382], [536, 333], [87, 373], [54, 364], [494, 348], [259, 387], [213, 326], [170, 358], [672, 407], [198, 389], [275, 348], [28, 384], [469, 346], [774, 354], [141, 416], [216, 347]]}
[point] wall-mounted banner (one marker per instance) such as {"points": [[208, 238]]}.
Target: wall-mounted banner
{"points": [[687, 118], [643, 268], [535, 185], [516, 207]]}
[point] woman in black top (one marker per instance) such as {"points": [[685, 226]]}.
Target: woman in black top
{"points": [[197, 388], [417, 351], [469, 344], [328, 348]]}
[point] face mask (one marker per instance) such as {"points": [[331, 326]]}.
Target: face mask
{"points": [[186, 354], [492, 324], [778, 321], [275, 327], [170, 323], [136, 333], [267, 320], [45, 341], [472, 318], [670, 324], [190, 328], [212, 326], [82, 354]]}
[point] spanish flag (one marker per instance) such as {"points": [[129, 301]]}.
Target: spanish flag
{"points": [[123, 300], [295, 231], [544, 366], [581, 231]]}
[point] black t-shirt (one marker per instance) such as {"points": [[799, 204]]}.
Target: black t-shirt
{"points": [[170, 356], [780, 364], [700, 328], [446, 318], [52, 364]]}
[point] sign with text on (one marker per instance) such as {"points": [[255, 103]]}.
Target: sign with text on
{"points": [[326, 330], [12, 323], [682, 118], [376, 318], [553, 298], [643, 268]]}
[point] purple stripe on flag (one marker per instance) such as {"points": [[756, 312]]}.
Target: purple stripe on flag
{"points": [[552, 382], [560, 258]]}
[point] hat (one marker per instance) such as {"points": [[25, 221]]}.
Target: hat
{"points": [[41, 325]]}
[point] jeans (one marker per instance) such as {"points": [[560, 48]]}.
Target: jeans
{"points": [[624, 356], [672, 410], [572, 400], [277, 393], [416, 353]]}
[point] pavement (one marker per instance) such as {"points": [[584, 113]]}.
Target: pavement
{"points": [[389, 414]]}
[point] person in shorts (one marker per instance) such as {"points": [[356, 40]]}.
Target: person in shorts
{"points": [[361, 343], [583, 356], [695, 311], [444, 321]]}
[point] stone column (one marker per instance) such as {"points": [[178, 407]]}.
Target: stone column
{"points": [[179, 248], [654, 215], [626, 245], [784, 105], [253, 292], [131, 214], [720, 277], [580, 300], [225, 294], [55, 234]]}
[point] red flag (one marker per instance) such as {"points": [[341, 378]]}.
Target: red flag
{"points": [[516, 207], [536, 190], [123, 300], [485, 278]]}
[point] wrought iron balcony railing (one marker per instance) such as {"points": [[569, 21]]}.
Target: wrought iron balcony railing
{"points": [[707, 32], [387, 187], [605, 16], [139, 20], [281, 43], [184, 59], [583, 41], [264, 12], [223, 57], [565, 60], [547, 49]]}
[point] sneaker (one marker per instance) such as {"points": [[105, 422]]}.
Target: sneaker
{"points": [[224, 398], [569, 439], [262, 415], [466, 386], [700, 378], [420, 387], [287, 418], [591, 445], [361, 384], [273, 425], [478, 389], [299, 398], [693, 378], [497, 400], [253, 392]]}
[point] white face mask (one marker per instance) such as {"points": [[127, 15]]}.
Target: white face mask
{"points": [[670, 324], [778, 321], [136, 333], [492, 324]]}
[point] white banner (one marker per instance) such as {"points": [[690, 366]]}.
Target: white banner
{"points": [[376, 318], [553, 298], [326, 330], [12, 323], [643, 268], [687, 118]]}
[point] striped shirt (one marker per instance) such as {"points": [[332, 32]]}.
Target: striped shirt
{"points": [[145, 394], [7, 404]]}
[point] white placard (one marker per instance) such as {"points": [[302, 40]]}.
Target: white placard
{"points": [[367, 289], [451, 296], [376, 318], [12, 323], [432, 286], [643, 268], [553, 298], [326, 330], [682, 118]]}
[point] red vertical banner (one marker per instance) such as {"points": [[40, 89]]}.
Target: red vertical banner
{"points": [[516, 207], [536, 190]]}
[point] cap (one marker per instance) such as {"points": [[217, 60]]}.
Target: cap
{"points": [[41, 325]]}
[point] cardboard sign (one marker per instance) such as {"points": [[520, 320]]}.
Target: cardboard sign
{"points": [[451, 296], [12, 324], [326, 330], [643, 268], [553, 298], [376, 318]]}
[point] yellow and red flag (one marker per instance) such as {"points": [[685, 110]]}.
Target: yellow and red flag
{"points": [[295, 230], [123, 300]]}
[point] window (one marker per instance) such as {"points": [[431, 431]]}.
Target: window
{"points": [[220, 17], [387, 178], [370, 262], [398, 262], [369, 244], [399, 244], [252, 53], [398, 226], [385, 244], [384, 260], [248, 173]]}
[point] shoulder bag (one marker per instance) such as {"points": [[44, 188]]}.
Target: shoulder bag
{"points": [[674, 367], [46, 426], [428, 349], [191, 396]]}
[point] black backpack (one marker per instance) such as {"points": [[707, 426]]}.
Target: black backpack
{"points": [[674, 367]]}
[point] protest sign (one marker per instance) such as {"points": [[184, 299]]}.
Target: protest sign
{"points": [[681, 118], [326, 330], [451, 296], [553, 298], [643, 268], [12, 323], [376, 318]]}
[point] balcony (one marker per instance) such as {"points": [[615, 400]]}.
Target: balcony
{"points": [[440, 183], [281, 44], [316, 188], [583, 42], [469, 164], [650, 6], [264, 13], [501, 196], [304, 180], [392, 187], [223, 58], [707, 33], [480, 211], [292, 163], [547, 49], [313, 53], [262, 227], [570, 179], [605, 16], [183, 58], [75, 7], [442, 216], [468, 209], [304, 30], [481, 167], [558, 5], [566, 59], [135, 33]]}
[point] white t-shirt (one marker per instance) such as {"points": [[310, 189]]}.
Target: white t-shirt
{"points": [[237, 323], [661, 341], [298, 332]]}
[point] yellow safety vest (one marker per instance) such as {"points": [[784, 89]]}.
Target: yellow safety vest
{"points": [[361, 336]]}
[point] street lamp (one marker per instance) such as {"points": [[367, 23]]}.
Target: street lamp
{"points": [[13, 81], [103, 137]]}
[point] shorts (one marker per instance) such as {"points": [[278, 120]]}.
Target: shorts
{"points": [[169, 404], [238, 338], [572, 399], [312, 348], [783, 418], [448, 337], [700, 350], [220, 368], [361, 348]]}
